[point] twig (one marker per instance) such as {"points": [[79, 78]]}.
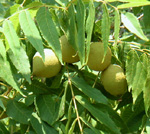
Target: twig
{"points": [[96, 80], [23, 3], [4, 84], [74, 101], [8, 91]]}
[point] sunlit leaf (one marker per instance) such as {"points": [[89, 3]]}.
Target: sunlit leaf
{"points": [[89, 27], [132, 60], [30, 30], [12, 10], [72, 28], [139, 80], [105, 27], [139, 77], [15, 20], [134, 4], [13, 13], [80, 17], [48, 30], [132, 24], [11, 36], [7, 75], [2, 50], [146, 89], [116, 29], [33, 7], [21, 62]]}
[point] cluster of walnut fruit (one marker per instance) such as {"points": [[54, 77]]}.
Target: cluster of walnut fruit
{"points": [[112, 76]]}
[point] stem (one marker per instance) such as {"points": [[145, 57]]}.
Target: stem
{"points": [[77, 72], [2, 114], [11, 129], [96, 80], [8, 91], [75, 105], [23, 3], [4, 84]]}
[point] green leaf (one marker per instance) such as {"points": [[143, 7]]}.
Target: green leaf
{"points": [[41, 127], [33, 7], [131, 62], [139, 80], [133, 117], [7, 75], [99, 115], [105, 27], [17, 55], [89, 27], [3, 129], [15, 21], [88, 90], [72, 127], [57, 80], [146, 90], [48, 108], [132, 24], [3, 102], [63, 101], [116, 29], [19, 111], [37, 87], [89, 131], [69, 117], [115, 0], [13, 14], [136, 73], [30, 30], [12, 10], [48, 30], [113, 115], [134, 4], [2, 50], [90, 126], [29, 99], [80, 17], [72, 29], [148, 126], [146, 12], [21, 62], [11, 37], [140, 77], [31, 132]]}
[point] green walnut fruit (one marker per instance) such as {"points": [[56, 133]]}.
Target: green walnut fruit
{"points": [[114, 80], [96, 56], [69, 55], [48, 68]]}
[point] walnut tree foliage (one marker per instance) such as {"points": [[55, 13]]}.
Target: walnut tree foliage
{"points": [[74, 101]]}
